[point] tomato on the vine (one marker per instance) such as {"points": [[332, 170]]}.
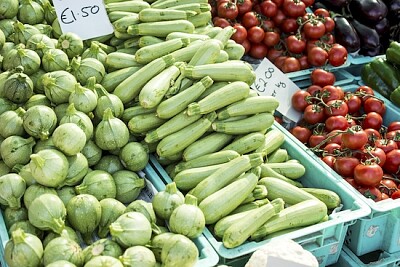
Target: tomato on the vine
{"points": [[345, 165], [244, 6], [316, 139], [388, 186], [255, 34], [336, 123], [322, 77], [335, 136], [291, 64], [368, 174], [329, 24], [273, 54], [250, 19], [278, 62], [271, 38], [336, 107], [314, 89], [228, 10], [372, 120], [300, 100], [355, 138], [374, 104], [322, 12], [279, 17], [268, 8], [247, 45], [394, 135], [313, 114], [308, 2], [301, 133], [294, 8], [373, 135], [258, 50], [295, 44], [386, 144], [329, 160], [371, 192], [353, 103], [314, 29], [303, 60], [375, 153], [289, 25], [317, 56], [240, 34], [395, 125], [331, 92], [395, 194], [337, 55], [330, 149], [221, 22], [365, 92], [392, 163]]}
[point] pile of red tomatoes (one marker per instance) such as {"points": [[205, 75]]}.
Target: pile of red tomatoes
{"points": [[346, 130], [282, 31]]}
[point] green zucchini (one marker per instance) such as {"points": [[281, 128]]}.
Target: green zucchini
{"points": [[246, 144], [254, 123], [330, 198]]}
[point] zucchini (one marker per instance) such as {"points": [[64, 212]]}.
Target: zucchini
{"points": [[251, 205], [214, 87], [246, 144], [289, 169], [148, 53], [133, 6], [154, 90], [200, 19], [116, 15], [223, 201], [147, 40], [235, 51], [207, 160], [259, 192], [254, 123], [226, 175], [226, 95], [228, 71], [131, 112], [172, 125], [240, 231], [158, 14], [195, 7], [268, 172], [130, 88], [141, 124], [179, 102], [207, 53], [274, 138], [279, 155], [330, 198], [302, 214], [172, 3], [191, 36], [207, 144], [249, 106], [278, 188], [181, 139], [119, 60], [190, 178], [224, 35], [186, 53], [122, 24], [161, 28], [112, 79]]}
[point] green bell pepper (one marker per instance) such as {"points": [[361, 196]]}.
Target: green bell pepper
{"points": [[373, 80]]}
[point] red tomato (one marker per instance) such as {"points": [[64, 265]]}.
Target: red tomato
{"points": [[329, 160], [278, 3], [373, 135], [258, 50], [250, 19], [308, 2], [392, 163], [289, 25], [322, 77], [273, 54], [228, 10], [337, 55], [268, 8], [331, 148], [271, 38], [395, 194], [293, 8], [322, 12], [317, 56], [374, 152], [355, 140], [368, 174], [240, 34], [336, 107], [345, 165], [300, 100], [334, 136], [268, 24], [374, 104], [244, 6], [295, 44], [353, 103], [247, 45], [372, 120], [371, 192], [351, 181], [303, 60], [316, 139], [313, 114], [314, 89], [301, 133], [331, 92], [386, 144], [221, 22], [395, 125], [314, 29], [387, 186], [364, 91], [395, 136], [291, 64], [336, 123], [279, 17], [310, 43], [278, 62], [329, 24], [255, 34]]}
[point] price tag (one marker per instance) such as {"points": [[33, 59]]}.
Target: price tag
{"points": [[271, 81], [279, 262], [88, 19]]}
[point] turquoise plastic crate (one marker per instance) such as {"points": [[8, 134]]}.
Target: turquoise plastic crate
{"points": [[381, 228], [376, 259], [324, 240], [207, 255]]}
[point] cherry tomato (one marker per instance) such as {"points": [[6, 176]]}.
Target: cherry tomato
{"points": [[336, 123], [329, 160], [371, 192], [271, 38], [317, 56], [250, 19], [345, 165], [386, 144], [395, 136], [291, 64], [392, 163], [316, 139], [374, 152], [373, 135], [329, 24], [322, 77], [301, 133], [240, 34], [273, 54], [258, 50], [372, 120], [268, 8], [313, 114], [368, 174], [355, 139], [221, 22], [330, 92], [395, 194], [336, 107], [293, 8], [337, 55], [244, 6], [228, 10], [374, 104], [330, 149], [295, 44], [353, 103], [395, 125], [255, 34], [314, 29]]}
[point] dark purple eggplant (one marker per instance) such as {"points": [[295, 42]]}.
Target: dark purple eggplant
{"points": [[369, 38], [368, 11], [345, 34], [335, 3], [382, 27], [394, 11], [331, 5], [371, 51]]}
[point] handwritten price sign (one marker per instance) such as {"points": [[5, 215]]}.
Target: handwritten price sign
{"points": [[88, 19], [271, 81]]}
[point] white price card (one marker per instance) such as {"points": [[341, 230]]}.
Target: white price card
{"points": [[279, 262], [86, 18], [271, 81]]}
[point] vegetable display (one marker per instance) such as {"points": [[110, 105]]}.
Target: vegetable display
{"points": [[345, 129]]}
